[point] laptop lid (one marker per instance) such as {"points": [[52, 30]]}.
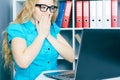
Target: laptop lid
{"points": [[99, 56]]}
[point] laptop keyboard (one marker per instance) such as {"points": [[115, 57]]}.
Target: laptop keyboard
{"points": [[68, 74], [63, 75]]}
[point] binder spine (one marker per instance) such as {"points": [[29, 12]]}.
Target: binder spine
{"points": [[114, 13], [106, 14], [86, 14], [67, 14], [78, 14], [99, 14], [93, 14]]}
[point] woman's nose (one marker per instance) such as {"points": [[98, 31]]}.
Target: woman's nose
{"points": [[48, 11]]}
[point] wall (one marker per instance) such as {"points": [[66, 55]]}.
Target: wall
{"points": [[5, 9]]}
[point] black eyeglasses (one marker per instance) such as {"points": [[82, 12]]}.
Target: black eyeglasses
{"points": [[44, 8]]}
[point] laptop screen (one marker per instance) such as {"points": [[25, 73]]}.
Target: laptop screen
{"points": [[99, 56]]}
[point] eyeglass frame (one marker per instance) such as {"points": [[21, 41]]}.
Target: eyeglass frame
{"points": [[39, 5]]}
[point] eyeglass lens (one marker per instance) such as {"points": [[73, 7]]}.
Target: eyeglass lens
{"points": [[44, 8]]}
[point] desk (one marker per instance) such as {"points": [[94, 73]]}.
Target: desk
{"points": [[43, 77]]}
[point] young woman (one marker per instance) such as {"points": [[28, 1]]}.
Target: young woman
{"points": [[33, 41]]}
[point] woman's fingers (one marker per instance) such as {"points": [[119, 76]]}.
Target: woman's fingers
{"points": [[44, 23]]}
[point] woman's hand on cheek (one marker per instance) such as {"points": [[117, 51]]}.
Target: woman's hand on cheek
{"points": [[43, 25]]}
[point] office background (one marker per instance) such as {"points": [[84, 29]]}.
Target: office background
{"points": [[5, 18]]}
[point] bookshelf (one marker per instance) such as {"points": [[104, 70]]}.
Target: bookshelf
{"points": [[67, 33]]}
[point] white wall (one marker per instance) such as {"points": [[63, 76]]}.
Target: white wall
{"points": [[5, 9]]}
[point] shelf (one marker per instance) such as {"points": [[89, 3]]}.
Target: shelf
{"points": [[78, 28], [66, 28]]}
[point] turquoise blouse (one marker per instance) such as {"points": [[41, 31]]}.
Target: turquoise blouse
{"points": [[47, 57]]}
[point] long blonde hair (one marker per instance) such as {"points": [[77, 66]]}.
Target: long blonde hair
{"points": [[23, 16]]}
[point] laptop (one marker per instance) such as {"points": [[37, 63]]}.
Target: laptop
{"points": [[99, 56]]}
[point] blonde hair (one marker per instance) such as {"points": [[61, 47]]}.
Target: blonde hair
{"points": [[23, 16]]}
